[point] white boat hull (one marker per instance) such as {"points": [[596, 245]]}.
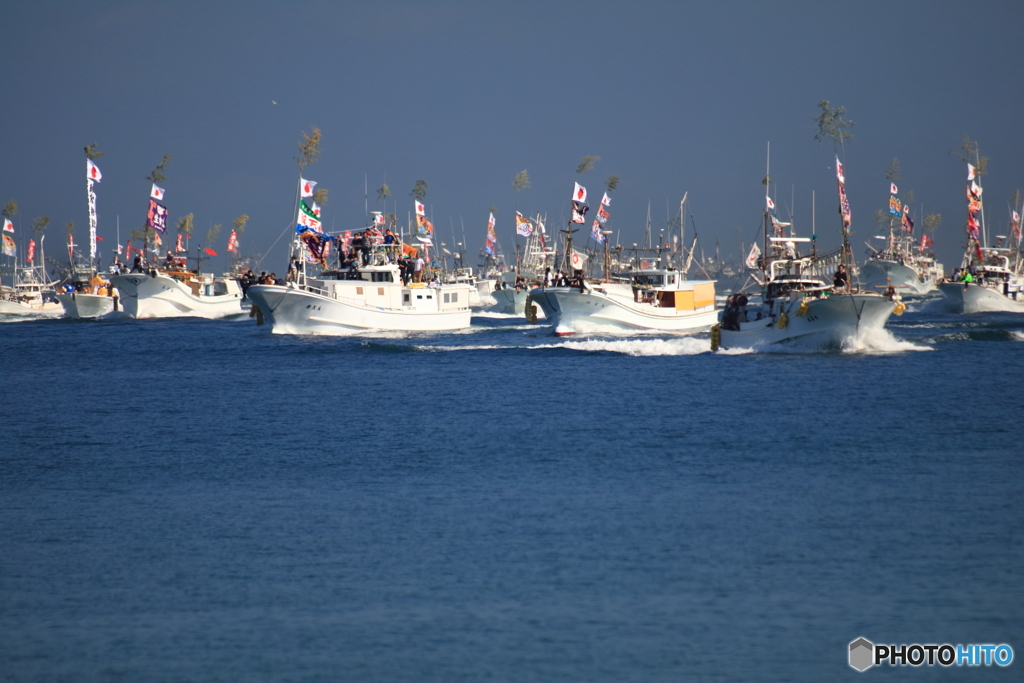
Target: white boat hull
{"points": [[974, 298], [827, 319], [509, 301], [289, 310], [575, 311], [79, 305], [141, 295], [49, 309], [876, 275]]}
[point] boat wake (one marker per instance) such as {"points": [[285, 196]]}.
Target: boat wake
{"points": [[868, 342]]}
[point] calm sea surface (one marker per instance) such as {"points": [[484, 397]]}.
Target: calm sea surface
{"points": [[192, 500]]}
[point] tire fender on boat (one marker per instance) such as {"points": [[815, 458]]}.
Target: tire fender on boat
{"points": [[783, 320], [255, 312]]}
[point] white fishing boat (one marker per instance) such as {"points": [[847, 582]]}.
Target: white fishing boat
{"points": [[650, 299], [989, 278], [480, 288], [796, 303], [89, 298], [371, 297], [896, 264], [31, 295], [994, 285], [157, 293]]}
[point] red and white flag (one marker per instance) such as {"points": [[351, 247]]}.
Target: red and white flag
{"points": [[120, 249], [579, 194], [180, 246], [71, 246], [606, 200], [839, 171], [970, 172], [755, 253], [307, 187], [92, 171], [892, 188], [233, 241], [420, 209], [31, 251], [8, 225], [157, 192], [769, 203]]}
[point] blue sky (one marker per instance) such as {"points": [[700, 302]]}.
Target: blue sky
{"points": [[673, 96]]}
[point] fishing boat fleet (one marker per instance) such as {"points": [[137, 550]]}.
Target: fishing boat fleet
{"points": [[373, 279]]}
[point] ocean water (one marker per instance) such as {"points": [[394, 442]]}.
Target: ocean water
{"points": [[193, 500]]}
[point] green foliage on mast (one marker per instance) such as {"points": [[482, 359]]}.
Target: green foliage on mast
{"points": [[157, 176], [892, 173], [932, 222], [586, 164], [212, 233], [69, 228], [612, 183], [185, 224], [383, 192], [832, 125], [320, 196], [239, 224], [10, 209], [419, 192], [40, 224], [522, 181], [969, 155], [309, 149], [91, 152]]}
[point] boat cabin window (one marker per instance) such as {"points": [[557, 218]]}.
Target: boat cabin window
{"points": [[381, 277], [649, 280]]}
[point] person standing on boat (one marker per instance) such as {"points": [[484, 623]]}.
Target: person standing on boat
{"points": [[840, 279], [417, 267]]}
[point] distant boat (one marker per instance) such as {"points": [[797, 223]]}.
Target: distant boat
{"points": [[653, 295], [31, 294], [989, 278], [796, 303], [174, 293], [909, 267]]}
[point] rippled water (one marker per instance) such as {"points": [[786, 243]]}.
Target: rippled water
{"points": [[191, 500]]}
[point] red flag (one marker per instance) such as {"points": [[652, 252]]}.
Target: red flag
{"points": [[211, 252]]}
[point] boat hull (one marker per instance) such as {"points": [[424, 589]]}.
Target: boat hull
{"points": [[971, 297], [509, 301], [574, 311], [878, 274], [49, 309], [78, 305], [826, 319], [143, 295], [289, 310]]}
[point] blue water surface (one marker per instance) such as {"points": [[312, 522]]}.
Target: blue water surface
{"points": [[194, 500]]}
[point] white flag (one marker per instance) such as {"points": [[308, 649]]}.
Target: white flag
{"points": [[578, 260], [606, 200], [579, 194], [307, 187], [970, 172], [157, 192], [892, 188], [755, 252], [92, 171], [8, 225], [769, 202]]}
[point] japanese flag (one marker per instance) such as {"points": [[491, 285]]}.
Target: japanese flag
{"points": [[157, 192], [579, 194], [892, 188], [769, 202], [970, 172], [420, 209], [307, 187], [92, 171], [606, 200]]}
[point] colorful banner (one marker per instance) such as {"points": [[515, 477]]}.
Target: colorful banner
{"points": [[523, 225], [10, 248], [424, 228], [156, 218]]}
